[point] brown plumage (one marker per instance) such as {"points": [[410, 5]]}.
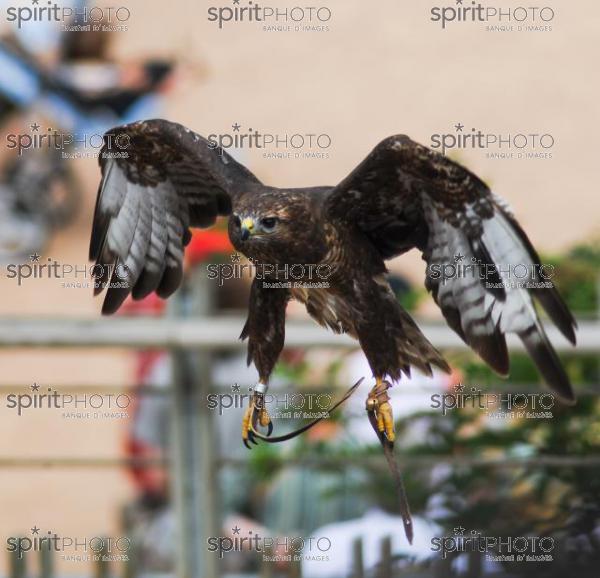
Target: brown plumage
{"points": [[402, 196]]}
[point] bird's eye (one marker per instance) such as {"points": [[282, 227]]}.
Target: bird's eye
{"points": [[268, 223], [237, 221]]}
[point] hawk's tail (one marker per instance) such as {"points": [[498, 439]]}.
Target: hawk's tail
{"points": [[416, 350]]}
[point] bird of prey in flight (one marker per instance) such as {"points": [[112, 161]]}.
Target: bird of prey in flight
{"points": [[402, 196]]}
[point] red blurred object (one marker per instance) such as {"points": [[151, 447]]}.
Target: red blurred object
{"points": [[152, 305], [207, 243], [149, 479]]}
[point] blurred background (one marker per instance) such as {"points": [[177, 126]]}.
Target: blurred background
{"points": [[142, 471]]}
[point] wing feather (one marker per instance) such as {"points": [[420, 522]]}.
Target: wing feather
{"points": [[166, 180], [404, 196]]}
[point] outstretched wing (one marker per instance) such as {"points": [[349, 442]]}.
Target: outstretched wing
{"points": [[403, 195], [158, 180]]}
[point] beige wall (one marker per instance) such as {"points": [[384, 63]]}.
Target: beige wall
{"points": [[383, 68]]}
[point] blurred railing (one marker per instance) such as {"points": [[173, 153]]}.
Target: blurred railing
{"points": [[221, 333], [191, 342]]}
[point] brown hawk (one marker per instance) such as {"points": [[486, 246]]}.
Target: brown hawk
{"points": [[402, 196]]}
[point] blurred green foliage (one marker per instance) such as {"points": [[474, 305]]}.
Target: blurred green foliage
{"points": [[578, 277]]}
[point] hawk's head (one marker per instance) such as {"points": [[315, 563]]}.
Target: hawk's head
{"points": [[274, 226], [253, 225]]}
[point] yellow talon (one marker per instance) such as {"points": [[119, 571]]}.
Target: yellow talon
{"points": [[378, 403], [387, 419], [380, 424], [246, 423], [264, 418], [255, 415]]}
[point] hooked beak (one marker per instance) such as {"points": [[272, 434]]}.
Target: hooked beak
{"points": [[247, 228]]}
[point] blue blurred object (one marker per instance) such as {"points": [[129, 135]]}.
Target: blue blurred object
{"points": [[19, 82], [25, 85], [83, 110], [38, 37]]}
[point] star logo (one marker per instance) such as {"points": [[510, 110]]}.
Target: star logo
{"points": [[35, 530], [459, 387], [235, 388], [235, 530], [459, 2], [236, 1], [236, 127], [458, 258], [35, 127], [35, 387], [459, 531], [35, 258], [235, 258], [459, 127]]}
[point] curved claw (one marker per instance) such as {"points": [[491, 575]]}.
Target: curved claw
{"points": [[254, 415], [250, 437], [270, 431]]}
